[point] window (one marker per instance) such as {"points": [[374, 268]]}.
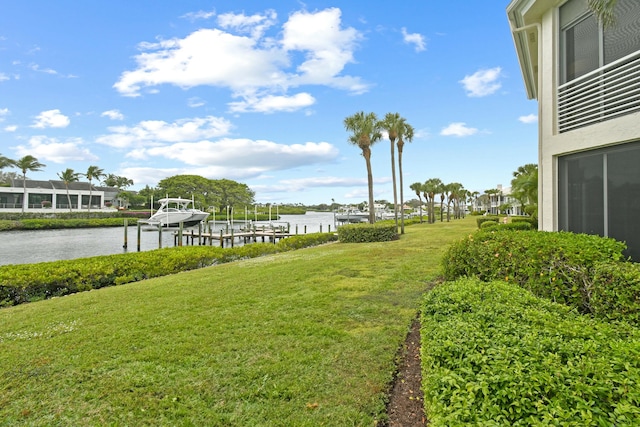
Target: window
{"points": [[599, 193], [586, 46]]}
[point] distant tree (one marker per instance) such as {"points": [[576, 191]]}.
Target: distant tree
{"points": [[68, 176], [207, 192], [524, 187], [227, 192], [6, 162], [417, 187], [31, 164], [93, 172], [454, 192], [188, 186], [119, 182], [430, 188], [365, 129]]}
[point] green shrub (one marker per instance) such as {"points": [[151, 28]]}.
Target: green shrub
{"points": [[488, 224], [493, 355], [615, 291], [32, 282], [366, 233], [552, 265], [491, 226], [527, 219], [482, 219]]}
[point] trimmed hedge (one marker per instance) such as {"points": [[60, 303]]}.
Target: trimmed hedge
{"points": [[527, 219], [491, 225], [50, 224], [32, 282], [367, 233], [493, 355], [615, 291], [583, 271], [486, 218]]}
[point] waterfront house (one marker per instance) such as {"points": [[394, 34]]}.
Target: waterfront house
{"points": [[586, 79], [52, 195]]}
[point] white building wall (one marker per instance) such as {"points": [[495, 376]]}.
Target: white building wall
{"points": [[553, 144]]}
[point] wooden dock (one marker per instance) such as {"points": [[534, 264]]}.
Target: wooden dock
{"points": [[228, 237]]}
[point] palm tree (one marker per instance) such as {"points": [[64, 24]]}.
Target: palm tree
{"points": [[27, 163], [430, 189], [392, 123], [603, 10], [68, 176], [93, 172], [406, 133], [524, 186], [366, 132], [417, 187], [5, 162], [443, 191], [453, 192], [474, 198]]}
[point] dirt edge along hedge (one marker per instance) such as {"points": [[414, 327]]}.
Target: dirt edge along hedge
{"points": [[32, 282]]}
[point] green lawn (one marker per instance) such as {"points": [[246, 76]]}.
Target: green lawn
{"points": [[304, 338]]}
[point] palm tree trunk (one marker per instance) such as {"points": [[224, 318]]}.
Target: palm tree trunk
{"points": [[366, 153], [89, 204], [69, 199], [401, 194], [24, 191], [393, 177]]}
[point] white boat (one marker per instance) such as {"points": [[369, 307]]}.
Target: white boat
{"points": [[176, 211], [352, 215]]}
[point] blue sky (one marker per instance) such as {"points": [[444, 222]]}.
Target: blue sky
{"points": [[257, 92]]}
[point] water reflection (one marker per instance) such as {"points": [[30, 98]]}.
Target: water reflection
{"points": [[25, 247]]}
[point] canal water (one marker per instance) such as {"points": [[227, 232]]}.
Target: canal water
{"points": [[26, 247]]}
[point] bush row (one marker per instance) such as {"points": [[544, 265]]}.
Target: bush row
{"points": [[49, 224], [366, 233], [31, 282], [495, 355], [583, 271]]}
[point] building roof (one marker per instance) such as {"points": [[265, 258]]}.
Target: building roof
{"points": [[525, 19]]}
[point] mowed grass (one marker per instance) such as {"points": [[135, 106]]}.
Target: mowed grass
{"points": [[305, 338]]}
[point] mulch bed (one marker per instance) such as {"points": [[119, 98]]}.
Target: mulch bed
{"points": [[405, 408]]}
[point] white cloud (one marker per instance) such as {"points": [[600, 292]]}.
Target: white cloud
{"points": [[50, 149], [3, 112], [36, 67], [247, 62], [459, 129], [195, 102], [157, 132], [51, 119], [482, 82], [3, 77], [531, 118], [272, 103], [255, 25], [11, 128], [113, 115], [414, 38], [249, 156], [201, 14]]}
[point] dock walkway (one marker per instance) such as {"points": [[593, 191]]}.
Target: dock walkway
{"points": [[198, 237]]}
